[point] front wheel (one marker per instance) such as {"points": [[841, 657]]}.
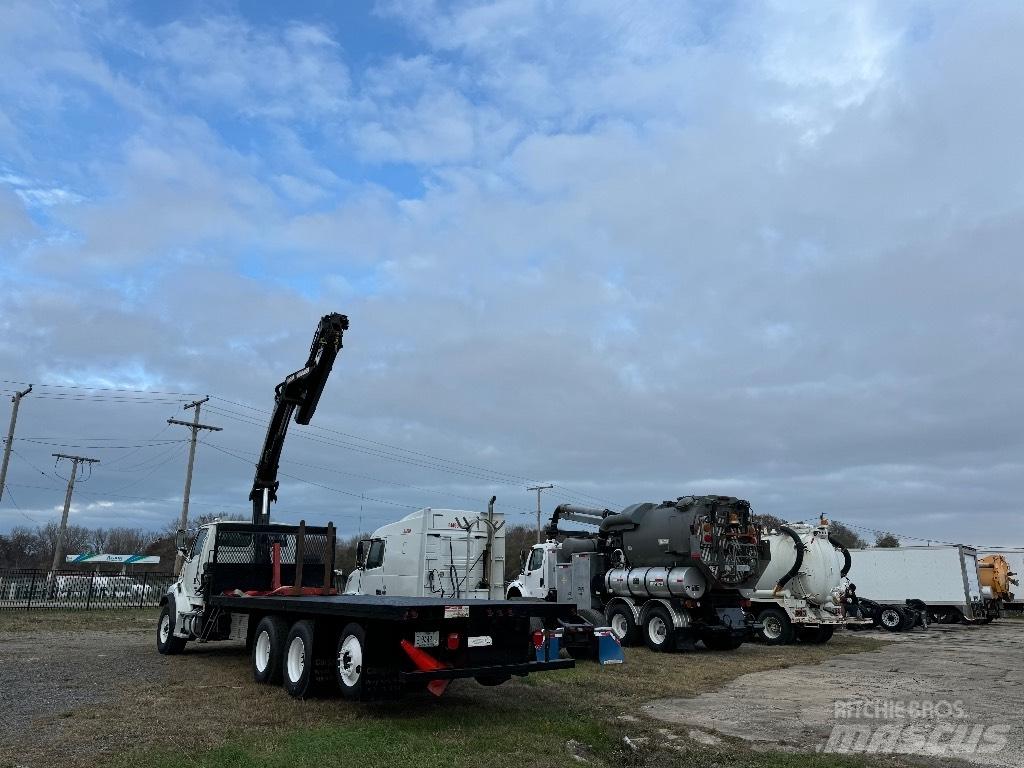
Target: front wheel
{"points": [[659, 631], [776, 628], [166, 642], [623, 625]]}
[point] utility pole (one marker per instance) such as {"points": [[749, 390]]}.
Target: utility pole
{"points": [[16, 399], [195, 426], [538, 489], [58, 549]]}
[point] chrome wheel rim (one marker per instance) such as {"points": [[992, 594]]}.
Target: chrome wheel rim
{"points": [[165, 628], [350, 661], [890, 618]]}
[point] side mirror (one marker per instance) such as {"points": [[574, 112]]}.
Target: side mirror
{"points": [[360, 554], [522, 560], [181, 540]]}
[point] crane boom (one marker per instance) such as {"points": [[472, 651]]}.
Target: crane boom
{"points": [[297, 395]]}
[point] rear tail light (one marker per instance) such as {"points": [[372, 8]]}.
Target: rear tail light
{"points": [[745, 604], [708, 539], [453, 641], [538, 638]]}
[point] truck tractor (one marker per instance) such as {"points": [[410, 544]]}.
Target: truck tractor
{"points": [[272, 586], [996, 579], [667, 574], [799, 595]]}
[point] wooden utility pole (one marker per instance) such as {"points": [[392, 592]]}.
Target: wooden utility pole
{"points": [[16, 399], [538, 489], [58, 549], [195, 426]]}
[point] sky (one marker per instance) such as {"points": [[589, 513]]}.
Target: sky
{"points": [[636, 250]]}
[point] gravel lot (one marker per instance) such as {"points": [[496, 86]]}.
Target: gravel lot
{"points": [[980, 666]]}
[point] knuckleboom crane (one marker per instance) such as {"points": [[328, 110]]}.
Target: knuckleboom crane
{"points": [[297, 395]]}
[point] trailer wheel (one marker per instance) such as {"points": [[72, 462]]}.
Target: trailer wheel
{"points": [[166, 642], [659, 631], [300, 661], [268, 649], [349, 662], [890, 618], [623, 625], [909, 620], [816, 636], [776, 628]]}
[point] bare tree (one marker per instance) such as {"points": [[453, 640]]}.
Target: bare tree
{"points": [[886, 540]]}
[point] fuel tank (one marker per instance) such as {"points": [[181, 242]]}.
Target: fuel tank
{"points": [[684, 582]]}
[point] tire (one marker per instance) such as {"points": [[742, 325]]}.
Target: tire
{"points": [[909, 619], [721, 641], [268, 649], [623, 625], [166, 642], [659, 631], [349, 662], [776, 628], [595, 618], [300, 660], [817, 636], [890, 618]]}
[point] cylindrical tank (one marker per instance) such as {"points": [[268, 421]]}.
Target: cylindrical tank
{"points": [[820, 572], [995, 574], [683, 582]]}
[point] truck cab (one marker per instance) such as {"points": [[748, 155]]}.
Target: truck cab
{"points": [[536, 578]]}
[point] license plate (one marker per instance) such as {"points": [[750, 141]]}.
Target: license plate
{"points": [[427, 639], [456, 611], [480, 642]]}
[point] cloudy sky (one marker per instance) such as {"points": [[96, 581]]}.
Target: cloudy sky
{"points": [[635, 250]]}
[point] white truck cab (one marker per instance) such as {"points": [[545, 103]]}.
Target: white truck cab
{"points": [[433, 552], [536, 577]]}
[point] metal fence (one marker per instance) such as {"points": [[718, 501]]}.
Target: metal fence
{"points": [[32, 589]]}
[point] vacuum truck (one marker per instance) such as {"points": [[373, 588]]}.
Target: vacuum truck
{"points": [[667, 573], [1014, 558], [799, 596]]}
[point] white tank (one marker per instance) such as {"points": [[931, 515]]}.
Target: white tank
{"points": [[818, 579]]}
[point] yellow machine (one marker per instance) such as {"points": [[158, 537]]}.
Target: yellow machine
{"points": [[996, 578]]}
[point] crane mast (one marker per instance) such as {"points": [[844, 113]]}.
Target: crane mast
{"points": [[298, 396]]}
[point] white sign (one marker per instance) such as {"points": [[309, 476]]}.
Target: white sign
{"points": [[456, 611], [126, 559]]}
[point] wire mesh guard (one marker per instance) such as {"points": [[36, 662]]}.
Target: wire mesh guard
{"points": [[243, 557], [36, 589]]}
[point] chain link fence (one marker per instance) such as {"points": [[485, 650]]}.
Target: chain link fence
{"points": [[34, 589]]}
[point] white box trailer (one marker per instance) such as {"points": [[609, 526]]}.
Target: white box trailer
{"points": [[943, 577], [449, 553]]}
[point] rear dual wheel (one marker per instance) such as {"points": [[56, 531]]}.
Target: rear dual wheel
{"points": [[620, 619], [659, 629]]}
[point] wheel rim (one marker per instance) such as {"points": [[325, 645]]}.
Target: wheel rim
{"points": [[890, 618], [771, 627], [620, 626], [657, 630], [263, 651], [350, 661], [296, 659], [165, 628]]}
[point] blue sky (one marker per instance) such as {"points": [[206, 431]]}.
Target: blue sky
{"points": [[636, 249]]}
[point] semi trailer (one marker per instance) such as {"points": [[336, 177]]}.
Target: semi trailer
{"points": [[271, 586], [799, 595], [667, 574], [931, 583]]}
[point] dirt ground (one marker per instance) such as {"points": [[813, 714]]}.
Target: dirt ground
{"points": [[981, 668], [90, 690]]}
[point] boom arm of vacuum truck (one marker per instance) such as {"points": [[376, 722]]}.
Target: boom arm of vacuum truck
{"points": [[297, 395]]}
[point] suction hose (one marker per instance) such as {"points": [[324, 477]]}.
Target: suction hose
{"points": [[800, 548], [847, 562]]}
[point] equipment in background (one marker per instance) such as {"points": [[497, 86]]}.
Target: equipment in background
{"points": [[996, 579], [667, 574]]}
